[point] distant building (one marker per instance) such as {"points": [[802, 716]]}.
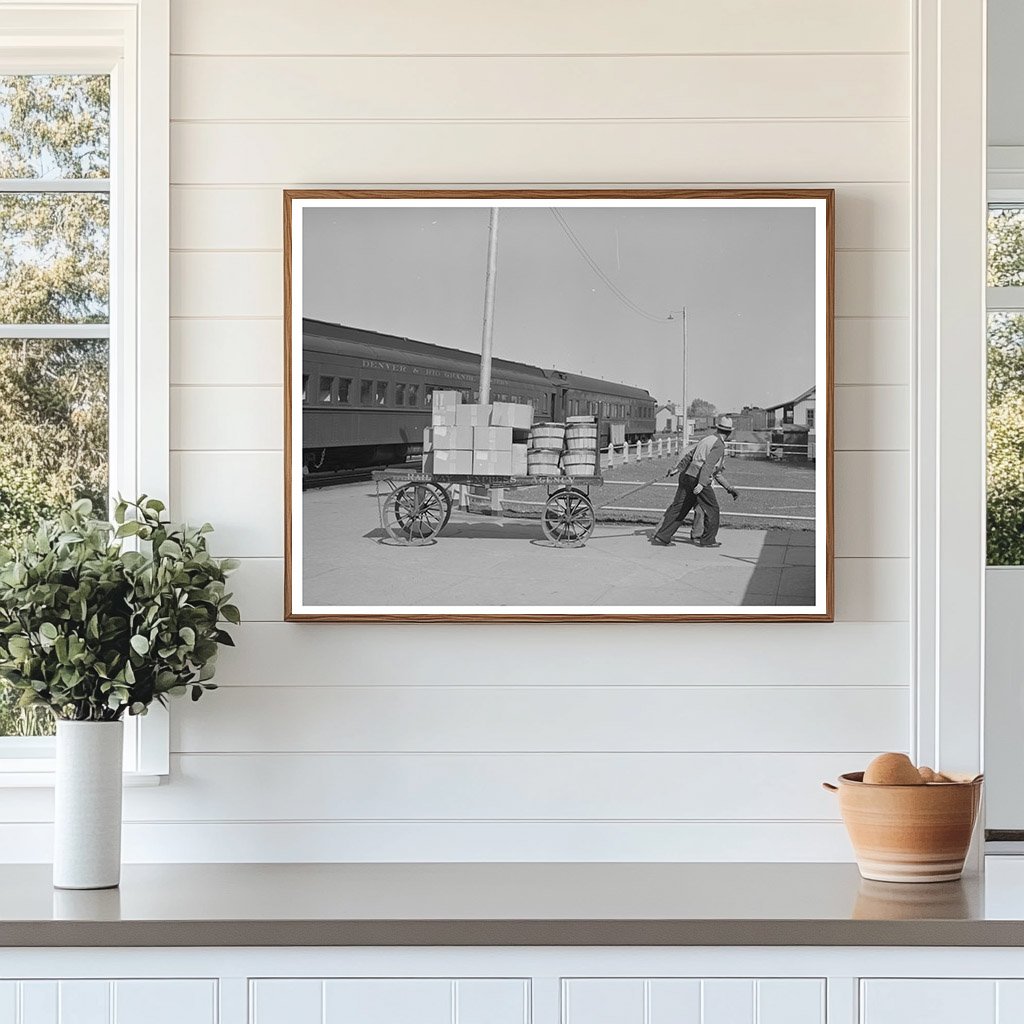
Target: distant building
{"points": [[798, 412], [667, 419], [753, 417]]}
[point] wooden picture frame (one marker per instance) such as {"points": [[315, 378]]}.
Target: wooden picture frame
{"points": [[350, 562]]}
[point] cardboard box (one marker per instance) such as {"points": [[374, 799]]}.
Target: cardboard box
{"points": [[519, 459], [492, 463], [473, 415], [446, 399], [444, 416], [451, 462], [494, 439], [452, 437], [512, 414]]}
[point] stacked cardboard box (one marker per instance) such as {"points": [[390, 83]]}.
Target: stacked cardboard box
{"points": [[479, 440]]}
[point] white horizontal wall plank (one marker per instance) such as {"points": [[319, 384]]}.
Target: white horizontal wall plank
{"points": [[258, 586], [873, 589], [872, 350], [583, 151], [872, 283], [868, 216], [227, 352], [240, 493], [381, 787], [872, 504], [869, 418], [534, 26], [205, 284], [233, 284], [154, 842], [208, 418], [538, 88], [544, 718], [842, 654]]}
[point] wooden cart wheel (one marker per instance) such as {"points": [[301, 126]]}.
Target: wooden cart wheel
{"points": [[568, 518], [416, 513]]}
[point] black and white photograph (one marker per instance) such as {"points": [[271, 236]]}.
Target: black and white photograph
{"points": [[559, 406]]}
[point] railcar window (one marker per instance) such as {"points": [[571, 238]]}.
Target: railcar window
{"points": [[366, 392], [399, 393], [412, 394], [344, 390], [326, 389], [305, 387], [380, 393], [428, 394]]}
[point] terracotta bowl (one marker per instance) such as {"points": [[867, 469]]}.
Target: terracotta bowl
{"points": [[909, 833]]}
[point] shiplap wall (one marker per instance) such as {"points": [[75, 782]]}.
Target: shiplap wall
{"points": [[687, 741]]}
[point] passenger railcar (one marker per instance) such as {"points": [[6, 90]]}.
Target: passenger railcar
{"points": [[366, 397]]}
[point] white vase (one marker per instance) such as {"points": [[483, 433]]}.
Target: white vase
{"points": [[87, 805]]}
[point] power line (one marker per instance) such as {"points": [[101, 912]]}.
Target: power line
{"points": [[595, 267]]}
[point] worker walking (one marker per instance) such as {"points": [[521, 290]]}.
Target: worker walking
{"points": [[697, 470]]}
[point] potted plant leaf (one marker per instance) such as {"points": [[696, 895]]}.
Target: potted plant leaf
{"points": [[99, 620]]}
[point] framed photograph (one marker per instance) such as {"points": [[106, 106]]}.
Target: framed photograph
{"points": [[558, 405]]}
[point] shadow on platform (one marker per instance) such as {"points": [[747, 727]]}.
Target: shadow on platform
{"points": [[784, 572]]}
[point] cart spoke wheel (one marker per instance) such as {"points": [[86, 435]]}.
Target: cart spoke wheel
{"points": [[568, 518], [416, 513]]}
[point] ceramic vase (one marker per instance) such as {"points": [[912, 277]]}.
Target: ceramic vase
{"points": [[87, 805]]}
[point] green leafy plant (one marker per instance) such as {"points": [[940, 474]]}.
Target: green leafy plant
{"points": [[91, 630]]}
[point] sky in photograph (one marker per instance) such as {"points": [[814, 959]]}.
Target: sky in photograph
{"points": [[745, 276]]}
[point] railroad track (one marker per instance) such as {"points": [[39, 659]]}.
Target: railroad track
{"points": [[313, 481]]}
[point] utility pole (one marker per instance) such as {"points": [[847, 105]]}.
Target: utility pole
{"points": [[686, 410], [488, 332]]}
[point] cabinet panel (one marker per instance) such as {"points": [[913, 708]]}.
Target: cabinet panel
{"points": [[935, 1001], [492, 1002], [165, 1002], [727, 1002], [84, 1002], [285, 1001], [791, 1001], [38, 1002], [388, 1001], [693, 1001], [8, 1002], [603, 1001]]}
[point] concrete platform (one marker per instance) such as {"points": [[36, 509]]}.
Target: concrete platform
{"points": [[490, 561]]}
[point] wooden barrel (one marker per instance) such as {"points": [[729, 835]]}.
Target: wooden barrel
{"points": [[581, 436], [580, 462], [548, 436], [542, 462]]}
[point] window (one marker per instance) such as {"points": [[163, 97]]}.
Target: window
{"points": [[344, 390], [326, 389], [399, 393], [810, 418], [1005, 477], [412, 394], [366, 392], [83, 146], [380, 393], [428, 394], [305, 388]]}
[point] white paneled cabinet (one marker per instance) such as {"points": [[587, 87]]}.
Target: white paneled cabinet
{"points": [[693, 1001], [389, 1001], [942, 1001], [102, 1001]]}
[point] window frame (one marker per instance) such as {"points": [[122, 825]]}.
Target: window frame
{"points": [[130, 41]]}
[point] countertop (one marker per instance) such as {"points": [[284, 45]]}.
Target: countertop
{"points": [[518, 904]]}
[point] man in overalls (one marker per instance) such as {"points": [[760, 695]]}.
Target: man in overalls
{"points": [[695, 487]]}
